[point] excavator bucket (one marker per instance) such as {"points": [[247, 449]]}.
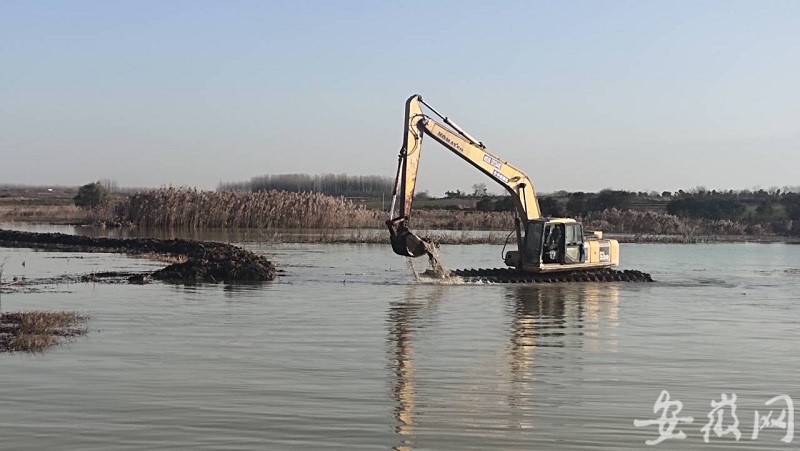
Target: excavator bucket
{"points": [[406, 243]]}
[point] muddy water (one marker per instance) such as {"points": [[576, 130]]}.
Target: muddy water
{"points": [[345, 351]]}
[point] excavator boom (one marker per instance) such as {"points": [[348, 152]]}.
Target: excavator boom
{"points": [[455, 139], [465, 146]]}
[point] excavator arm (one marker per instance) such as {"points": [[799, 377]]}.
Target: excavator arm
{"points": [[453, 138], [512, 179]]}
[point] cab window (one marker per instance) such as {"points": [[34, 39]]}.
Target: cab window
{"points": [[573, 234], [533, 242]]}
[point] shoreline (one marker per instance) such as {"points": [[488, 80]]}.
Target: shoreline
{"points": [[378, 235]]}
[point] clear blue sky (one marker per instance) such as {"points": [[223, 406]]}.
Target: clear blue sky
{"points": [[640, 95]]}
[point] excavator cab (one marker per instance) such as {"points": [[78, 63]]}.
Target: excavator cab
{"points": [[550, 242]]}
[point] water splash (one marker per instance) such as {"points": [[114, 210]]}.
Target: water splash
{"points": [[438, 270], [410, 264]]}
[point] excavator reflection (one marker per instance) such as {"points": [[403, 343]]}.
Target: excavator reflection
{"points": [[563, 315], [541, 316], [405, 319]]}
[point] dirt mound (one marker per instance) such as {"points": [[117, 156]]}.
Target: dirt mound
{"points": [[206, 261], [220, 263]]}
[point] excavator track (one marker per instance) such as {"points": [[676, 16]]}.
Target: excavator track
{"points": [[510, 275]]}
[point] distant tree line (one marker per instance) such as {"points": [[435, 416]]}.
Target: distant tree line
{"points": [[565, 204], [368, 186], [774, 211]]}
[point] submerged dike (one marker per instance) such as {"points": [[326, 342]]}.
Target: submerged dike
{"points": [[205, 261]]}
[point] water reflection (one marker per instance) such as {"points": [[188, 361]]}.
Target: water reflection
{"points": [[560, 315], [405, 319], [555, 316], [543, 321]]}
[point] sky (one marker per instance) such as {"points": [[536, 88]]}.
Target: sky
{"points": [[581, 95]]}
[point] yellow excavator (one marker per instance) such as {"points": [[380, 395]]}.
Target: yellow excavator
{"points": [[557, 247]]}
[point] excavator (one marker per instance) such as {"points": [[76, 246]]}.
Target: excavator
{"points": [[548, 249]]}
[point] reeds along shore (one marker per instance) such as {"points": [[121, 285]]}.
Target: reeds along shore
{"points": [[264, 210], [653, 223], [42, 213], [189, 208], [193, 209], [38, 331]]}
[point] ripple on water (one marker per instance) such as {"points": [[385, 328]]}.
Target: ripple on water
{"points": [[380, 361]]}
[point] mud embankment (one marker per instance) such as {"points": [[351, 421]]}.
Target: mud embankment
{"points": [[204, 261]]}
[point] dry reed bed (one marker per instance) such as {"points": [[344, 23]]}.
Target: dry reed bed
{"points": [[42, 213], [653, 223], [38, 331], [190, 208]]}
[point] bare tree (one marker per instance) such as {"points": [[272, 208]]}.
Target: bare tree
{"points": [[110, 185], [479, 190]]}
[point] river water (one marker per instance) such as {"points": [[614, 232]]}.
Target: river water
{"points": [[347, 351]]}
